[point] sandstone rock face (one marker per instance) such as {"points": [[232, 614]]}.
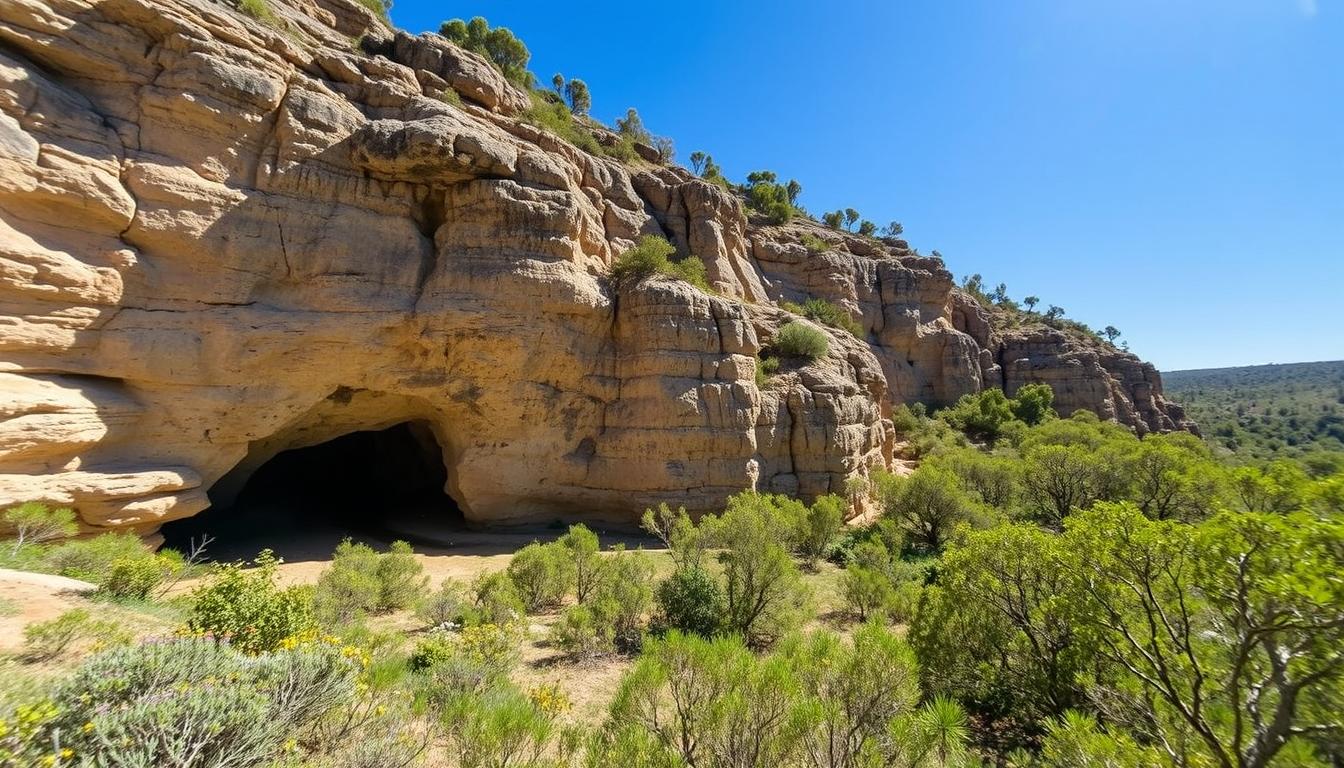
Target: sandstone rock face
{"points": [[221, 239]]}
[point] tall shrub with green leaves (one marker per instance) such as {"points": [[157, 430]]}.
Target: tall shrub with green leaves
{"points": [[246, 607], [498, 45]]}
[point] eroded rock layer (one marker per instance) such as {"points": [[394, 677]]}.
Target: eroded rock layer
{"points": [[222, 238]]}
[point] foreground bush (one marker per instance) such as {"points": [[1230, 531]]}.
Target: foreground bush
{"points": [[248, 608], [818, 701], [612, 618], [33, 523], [193, 702], [690, 600]]}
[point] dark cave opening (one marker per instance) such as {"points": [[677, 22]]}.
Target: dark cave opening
{"points": [[372, 486]]}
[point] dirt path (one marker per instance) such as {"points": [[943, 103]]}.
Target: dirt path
{"points": [[37, 597]]}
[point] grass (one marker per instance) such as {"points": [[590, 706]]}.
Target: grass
{"points": [[827, 313], [258, 9], [815, 244], [765, 368]]}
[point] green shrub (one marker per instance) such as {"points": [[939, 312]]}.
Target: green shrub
{"points": [[652, 256], [195, 702], [613, 618], [690, 600], [815, 244], [765, 368], [401, 578], [360, 581], [137, 576], [824, 311], [582, 546], [554, 117], [248, 609], [799, 340], [774, 200], [34, 523], [349, 588], [764, 594], [445, 605], [867, 591], [503, 729], [377, 6], [543, 574], [433, 649], [819, 527], [476, 660], [91, 559], [580, 634], [497, 600], [45, 640]]}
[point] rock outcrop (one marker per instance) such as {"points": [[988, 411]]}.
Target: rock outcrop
{"points": [[222, 238]]}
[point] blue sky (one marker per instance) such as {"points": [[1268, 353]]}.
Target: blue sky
{"points": [[1172, 167]]}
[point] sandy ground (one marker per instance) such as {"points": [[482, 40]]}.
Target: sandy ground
{"points": [[38, 597]]}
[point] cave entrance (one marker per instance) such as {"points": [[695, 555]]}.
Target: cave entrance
{"points": [[375, 486]]}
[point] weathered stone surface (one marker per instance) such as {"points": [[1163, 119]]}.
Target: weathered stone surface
{"points": [[220, 240]]}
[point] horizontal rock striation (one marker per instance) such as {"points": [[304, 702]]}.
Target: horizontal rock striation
{"points": [[222, 238]]}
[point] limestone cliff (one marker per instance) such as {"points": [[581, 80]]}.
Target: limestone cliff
{"points": [[221, 238]]}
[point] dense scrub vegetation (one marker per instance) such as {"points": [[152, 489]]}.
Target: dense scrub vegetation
{"points": [[1268, 410], [1070, 595]]}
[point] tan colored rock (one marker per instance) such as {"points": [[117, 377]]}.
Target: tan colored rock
{"points": [[220, 240]]}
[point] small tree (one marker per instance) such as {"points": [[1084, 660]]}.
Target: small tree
{"points": [[867, 228], [851, 217], [582, 546], [819, 527], [632, 127], [1000, 293], [794, 189], [893, 229], [698, 159], [1054, 312], [34, 523], [929, 504], [576, 93], [543, 574], [558, 84], [1031, 302], [834, 219], [1112, 333]]}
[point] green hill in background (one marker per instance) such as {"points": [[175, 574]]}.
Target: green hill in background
{"points": [[1265, 411]]}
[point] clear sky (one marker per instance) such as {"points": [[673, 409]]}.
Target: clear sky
{"points": [[1171, 167]]}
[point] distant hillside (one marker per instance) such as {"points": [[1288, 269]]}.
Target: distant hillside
{"points": [[1265, 410]]}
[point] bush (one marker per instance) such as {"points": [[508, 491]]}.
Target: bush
{"points": [[582, 545], [815, 244], [34, 523], [445, 605], [653, 256], [799, 340], [543, 574], [360, 581], [136, 577], [476, 660], [349, 588], [929, 504], [764, 594], [820, 526], [195, 702], [91, 559], [554, 117], [613, 618], [247, 608], [579, 633], [505, 728], [867, 591], [401, 578], [46, 640], [497, 600], [690, 600], [257, 9], [765, 368], [824, 311]]}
